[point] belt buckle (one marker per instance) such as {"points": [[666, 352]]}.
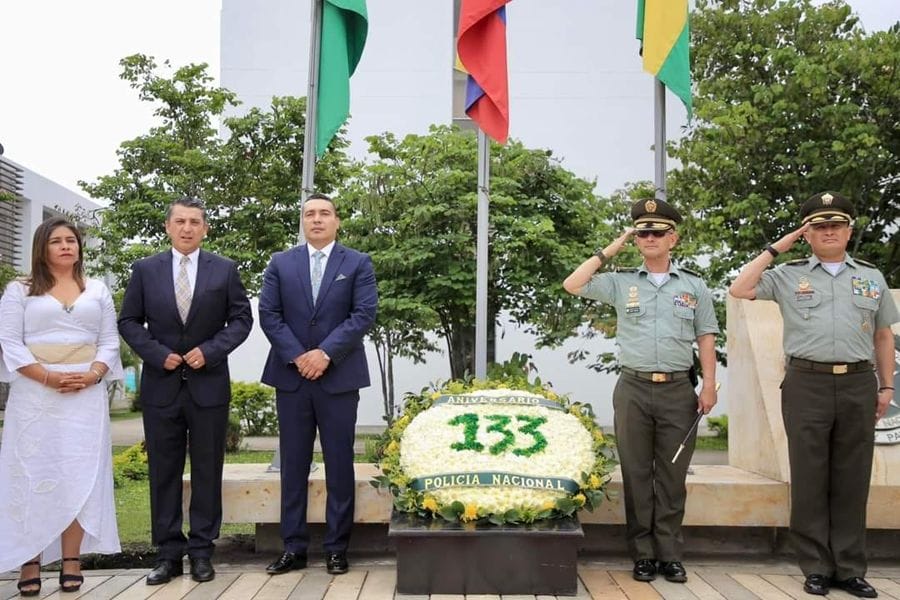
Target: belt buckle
{"points": [[838, 369], [659, 377]]}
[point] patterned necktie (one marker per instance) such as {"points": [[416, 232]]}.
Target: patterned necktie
{"points": [[183, 290], [318, 255]]}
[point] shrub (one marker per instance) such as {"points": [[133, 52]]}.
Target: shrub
{"points": [[130, 464], [254, 406], [719, 425], [233, 434]]}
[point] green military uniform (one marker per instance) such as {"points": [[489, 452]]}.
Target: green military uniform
{"points": [[829, 396], [654, 399]]}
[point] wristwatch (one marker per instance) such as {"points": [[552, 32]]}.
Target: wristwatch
{"points": [[599, 254]]}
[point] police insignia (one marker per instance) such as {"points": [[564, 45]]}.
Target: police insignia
{"points": [[685, 300], [804, 291], [865, 287], [650, 206], [827, 199], [634, 304]]}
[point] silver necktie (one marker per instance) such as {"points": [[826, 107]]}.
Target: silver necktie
{"points": [[183, 290], [318, 255]]}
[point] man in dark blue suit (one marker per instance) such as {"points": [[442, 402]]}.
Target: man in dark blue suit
{"points": [[317, 302], [184, 311]]}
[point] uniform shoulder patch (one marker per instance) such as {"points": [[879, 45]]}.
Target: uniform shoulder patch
{"points": [[864, 263], [797, 262], [690, 272]]}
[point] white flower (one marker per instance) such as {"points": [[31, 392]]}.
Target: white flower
{"points": [[427, 449]]}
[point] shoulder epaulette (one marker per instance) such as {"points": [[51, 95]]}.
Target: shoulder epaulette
{"points": [[797, 262], [625, 270], [690, 272], [864, 263]]}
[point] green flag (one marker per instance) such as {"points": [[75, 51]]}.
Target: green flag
{"points": [[344, 28]]}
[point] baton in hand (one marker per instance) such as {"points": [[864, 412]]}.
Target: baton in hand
{"points": [[686, 437]]}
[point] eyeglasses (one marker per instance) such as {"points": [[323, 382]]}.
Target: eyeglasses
{"points": [[647, 233]]}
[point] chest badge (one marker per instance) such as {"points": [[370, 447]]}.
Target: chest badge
{"points": [[634, 302], [805, 291]]}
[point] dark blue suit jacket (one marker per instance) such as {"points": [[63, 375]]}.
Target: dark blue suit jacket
{"points": [[218, 322], [336, 324]]}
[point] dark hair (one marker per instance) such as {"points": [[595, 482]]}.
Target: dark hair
{"points": [[41, 279], [321, 196], [188, 202]]}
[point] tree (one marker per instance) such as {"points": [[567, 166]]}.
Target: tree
{"points": [[791, 99], [413, 209], [249, 179]]}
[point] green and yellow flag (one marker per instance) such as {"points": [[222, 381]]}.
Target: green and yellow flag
{"points": [[345, 25], [662, 27]]}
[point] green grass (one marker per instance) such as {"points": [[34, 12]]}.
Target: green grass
{"points": [[122, 415], [712, 443]]}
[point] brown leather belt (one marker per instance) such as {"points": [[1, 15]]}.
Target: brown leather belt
{"points": [[656, 377], [827, 367]]}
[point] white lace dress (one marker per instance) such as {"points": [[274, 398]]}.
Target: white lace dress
{"points": [[55, 454]]}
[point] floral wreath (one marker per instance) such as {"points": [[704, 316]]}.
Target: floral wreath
{"points": [[499, 426]]}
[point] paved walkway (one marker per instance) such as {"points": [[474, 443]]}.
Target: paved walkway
{"points": [[376, 580]]}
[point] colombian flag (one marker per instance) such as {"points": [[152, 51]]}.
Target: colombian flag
{"points": [[662, 27], [481, 47]]}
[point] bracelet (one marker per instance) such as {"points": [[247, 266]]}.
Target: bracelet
{"points": [[886, 387], [46, 377], [97, 373], [772, 251]]}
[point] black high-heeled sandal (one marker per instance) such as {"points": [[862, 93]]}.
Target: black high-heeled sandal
{"points": [[30, 582], [69, 578]]}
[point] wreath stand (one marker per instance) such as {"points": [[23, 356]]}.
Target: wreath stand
{"points": [[439, 557]]}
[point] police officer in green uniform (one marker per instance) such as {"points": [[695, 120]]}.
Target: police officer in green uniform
{"points": [[837, 313], [661, 311]]}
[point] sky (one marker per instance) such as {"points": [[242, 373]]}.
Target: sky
{"points": [[63, 108]]}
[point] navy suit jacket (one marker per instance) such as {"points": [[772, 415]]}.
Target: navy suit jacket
{"points": [[336, 323], [219, 320]]}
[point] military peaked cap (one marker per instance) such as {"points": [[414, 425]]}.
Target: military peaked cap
{"points": [[654, 214], [827, 206]]}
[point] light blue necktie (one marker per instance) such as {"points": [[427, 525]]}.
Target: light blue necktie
{"points": [[318, 255]]}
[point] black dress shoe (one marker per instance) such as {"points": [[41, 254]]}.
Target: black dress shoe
{"points": [[289, 561], [202, 569], [164, 571], [644, 570], [816, 584], [856, 586], [336, 563], [673, 571]]}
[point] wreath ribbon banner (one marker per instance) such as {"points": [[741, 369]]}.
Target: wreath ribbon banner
{"points": [[493, 479], [465, 400]]}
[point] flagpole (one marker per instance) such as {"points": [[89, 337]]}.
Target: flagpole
{"points": [[659, 136], [308, 175], [481, 254], [308, 172]]}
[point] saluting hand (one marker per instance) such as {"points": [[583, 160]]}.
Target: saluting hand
{"points": [[617, 244], [785, 243]]}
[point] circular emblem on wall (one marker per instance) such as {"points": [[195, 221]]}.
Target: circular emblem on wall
{"points": [[887, 429]]}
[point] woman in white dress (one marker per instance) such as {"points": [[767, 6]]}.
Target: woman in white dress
{"points": [[59, 342]]}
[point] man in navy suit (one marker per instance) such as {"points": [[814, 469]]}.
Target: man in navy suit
{"points": [[317, 302], [184, 311]]}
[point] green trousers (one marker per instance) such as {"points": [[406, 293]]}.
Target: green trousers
{"points": [[830, 425], [651, 420]]}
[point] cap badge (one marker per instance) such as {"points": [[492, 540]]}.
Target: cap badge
{"points": [[650, 206], [826, 199]]}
